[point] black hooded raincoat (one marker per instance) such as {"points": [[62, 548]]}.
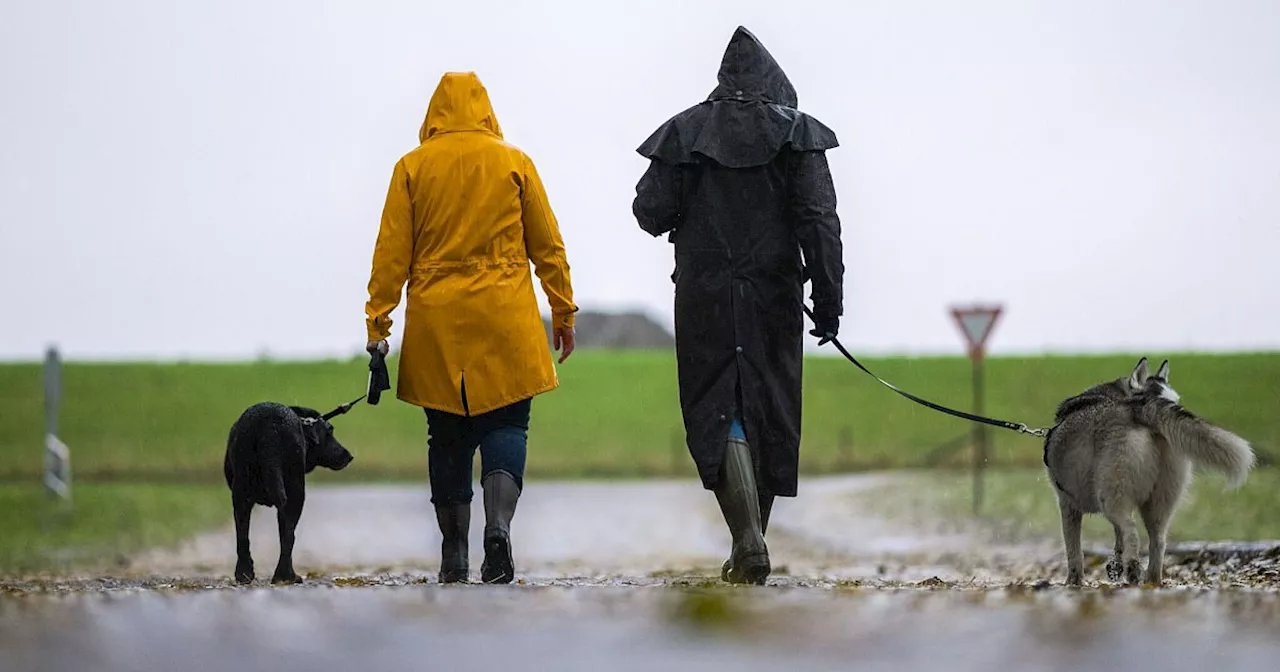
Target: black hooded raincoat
{"points": [[741, 186]]}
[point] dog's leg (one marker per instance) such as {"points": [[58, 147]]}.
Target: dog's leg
{"points": [[241, 509], [287, 519], [1115, 566], [1071, 517], [1157, 511], [1120, 512], [1157, 523]]}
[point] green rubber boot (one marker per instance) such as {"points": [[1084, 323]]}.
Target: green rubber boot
{"points": [[740, 504], [766, 508]]}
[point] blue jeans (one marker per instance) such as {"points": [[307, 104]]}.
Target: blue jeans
{"points": [[500, 434], [736, 431]]}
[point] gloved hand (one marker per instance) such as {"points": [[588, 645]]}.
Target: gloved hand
{"points": [[825, 327]]}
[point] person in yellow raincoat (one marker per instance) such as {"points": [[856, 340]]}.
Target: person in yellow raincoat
{"points": [[465, 214]]}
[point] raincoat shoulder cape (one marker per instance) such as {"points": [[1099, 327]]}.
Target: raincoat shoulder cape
{"points": [[749, 117], [465, 214]]}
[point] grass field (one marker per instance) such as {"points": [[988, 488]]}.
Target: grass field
{"points": [[108, 522], [1022, 503], [616, 413]]}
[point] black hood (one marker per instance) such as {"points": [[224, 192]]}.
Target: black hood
{"points": [[749, 72], [747, 120]]}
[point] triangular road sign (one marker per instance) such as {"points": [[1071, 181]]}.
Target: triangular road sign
{"points": [[976, 323]]}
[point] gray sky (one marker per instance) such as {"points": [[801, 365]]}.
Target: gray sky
{"points": [[205, 179]]}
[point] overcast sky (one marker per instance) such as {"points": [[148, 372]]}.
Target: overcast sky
{"points": [[182, 179]]}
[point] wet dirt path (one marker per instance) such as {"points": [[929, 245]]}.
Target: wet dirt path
{"points": [[625, 576], [594, 532], [587, 533]]}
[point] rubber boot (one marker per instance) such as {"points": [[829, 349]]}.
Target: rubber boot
{"points": [[740, 504], [455, 524], [500, 497], [766, 508]]}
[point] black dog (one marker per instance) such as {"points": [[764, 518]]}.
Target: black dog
{"points": [[270, 451]]}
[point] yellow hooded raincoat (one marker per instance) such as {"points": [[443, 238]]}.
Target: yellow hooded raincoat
{"points": [[464, 216]]}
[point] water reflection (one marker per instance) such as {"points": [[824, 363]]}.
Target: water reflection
{"points": [[651, 627]]}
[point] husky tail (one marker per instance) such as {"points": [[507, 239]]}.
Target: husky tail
{"points": [[1205, 444]]}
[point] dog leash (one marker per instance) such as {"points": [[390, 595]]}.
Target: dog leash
{"points": [[341, 409], [1015, 426]]}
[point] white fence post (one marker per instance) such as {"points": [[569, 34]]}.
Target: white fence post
{"points": [[57, 456]]}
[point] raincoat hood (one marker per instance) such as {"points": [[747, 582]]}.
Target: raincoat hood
{"points": [[460, 103], [747, 120], [749, 72]]}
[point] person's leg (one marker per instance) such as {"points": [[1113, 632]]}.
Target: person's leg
{"points": [[740, 504], [449, 455], [736, 433], [503, 436]]}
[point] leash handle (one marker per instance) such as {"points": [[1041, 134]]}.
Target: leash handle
{"points": [[1015, 426]]}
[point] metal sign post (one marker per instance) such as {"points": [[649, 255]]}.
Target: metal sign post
{"points": [[976, 323], [57, 457]]}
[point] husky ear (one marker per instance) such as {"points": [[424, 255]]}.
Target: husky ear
{"points": [[1163, 373], [1138, 378]]}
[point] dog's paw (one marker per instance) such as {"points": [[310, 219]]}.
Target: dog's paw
{"points": [[1115, 569], [286, 578], [1133, 572], [244, 573], [1075, 578]]}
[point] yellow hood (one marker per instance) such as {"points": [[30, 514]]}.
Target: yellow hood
{"points": [[460, 103]]}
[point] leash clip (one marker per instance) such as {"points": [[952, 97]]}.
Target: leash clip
{"points": [[1041, 432]]}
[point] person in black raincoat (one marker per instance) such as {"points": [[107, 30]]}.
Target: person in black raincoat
{"points": [[740, 185]]}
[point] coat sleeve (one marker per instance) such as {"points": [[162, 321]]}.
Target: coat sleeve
{"points": [[811, 204], [657, 202], [545, 247], [391, 256]]}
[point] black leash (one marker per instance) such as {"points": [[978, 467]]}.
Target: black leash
{"points": [[1015, 426], [341, 409]]}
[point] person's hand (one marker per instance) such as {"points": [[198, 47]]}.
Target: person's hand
{"points": [[377, 346], [825, 327], [562, 339]]}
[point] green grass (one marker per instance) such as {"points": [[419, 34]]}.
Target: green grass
{"points": [[616, 413], [107, 521], [1022, 503]]}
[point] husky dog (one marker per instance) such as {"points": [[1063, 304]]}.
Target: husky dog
{"points": [[1129, 445]]}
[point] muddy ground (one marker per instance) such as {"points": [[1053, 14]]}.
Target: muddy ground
{"points": [[625, 576]]}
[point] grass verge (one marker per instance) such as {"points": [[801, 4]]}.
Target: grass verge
{"points": [[615, 414], [106, 523]]}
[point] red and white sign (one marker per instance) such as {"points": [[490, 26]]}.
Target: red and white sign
{"points": [[976, 323]]}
